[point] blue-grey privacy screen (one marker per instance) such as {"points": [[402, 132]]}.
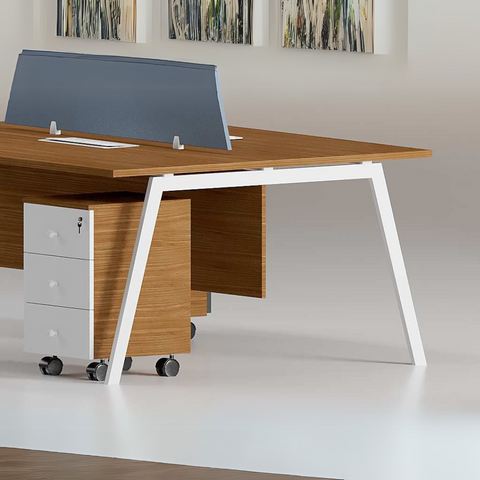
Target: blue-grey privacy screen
{"points": [[137, 98]]}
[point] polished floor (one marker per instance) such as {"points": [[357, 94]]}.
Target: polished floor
{"points": [[312, 381], [36, 465]]}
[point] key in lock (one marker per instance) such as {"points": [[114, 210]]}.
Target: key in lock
{"points": [[80, 224]]}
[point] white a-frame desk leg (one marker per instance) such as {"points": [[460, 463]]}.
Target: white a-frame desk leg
{"points": [[138, 265], [270, 176], [404, 296]]}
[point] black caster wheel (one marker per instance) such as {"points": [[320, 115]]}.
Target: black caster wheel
{"points": [[127, 364], [50, 366], [193, 331], [167, 367], [97, 371]]}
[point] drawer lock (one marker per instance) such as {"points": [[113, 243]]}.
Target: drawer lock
{"points": [[52, 333], [52, 234], [53, 283]]}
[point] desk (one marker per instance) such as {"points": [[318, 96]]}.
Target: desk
{"points": [[262, 158]]}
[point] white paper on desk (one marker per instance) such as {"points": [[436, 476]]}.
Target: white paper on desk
{"points": [[87, 142]]}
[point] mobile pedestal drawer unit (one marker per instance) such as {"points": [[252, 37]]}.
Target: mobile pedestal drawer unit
{"points": [[77, 251]]}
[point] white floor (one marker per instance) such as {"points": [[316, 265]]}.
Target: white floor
{"points": [[312, 381]]}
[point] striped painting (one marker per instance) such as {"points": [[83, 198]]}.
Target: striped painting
{"points": [[221, 21], [101, 19], [345, 25]]}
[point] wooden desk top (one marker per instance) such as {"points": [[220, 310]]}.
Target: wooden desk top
{"points": [[19, 146]]}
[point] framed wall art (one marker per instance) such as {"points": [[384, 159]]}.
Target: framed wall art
{"points": [[344, 25], [100, 19], [220, 21]]}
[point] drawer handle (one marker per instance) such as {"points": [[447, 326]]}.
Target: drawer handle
{"points": [[52, 234], [52, 333], [53, 283]]}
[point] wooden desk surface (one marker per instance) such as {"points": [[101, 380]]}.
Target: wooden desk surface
{"points": [[19, 146]]}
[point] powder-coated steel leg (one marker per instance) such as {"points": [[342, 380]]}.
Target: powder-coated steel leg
{"points": [[404, 296], [146, 229], [138, 265]]}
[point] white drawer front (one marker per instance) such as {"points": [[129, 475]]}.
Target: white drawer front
{"points": [[58, 331], [63, 282], [55, 231]]}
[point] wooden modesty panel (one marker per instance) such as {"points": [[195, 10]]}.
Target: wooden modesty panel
{"points": [[162, 319], [228, 240], [11, 232]]}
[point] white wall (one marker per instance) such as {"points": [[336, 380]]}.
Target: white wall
{"points": [[16, 20]]}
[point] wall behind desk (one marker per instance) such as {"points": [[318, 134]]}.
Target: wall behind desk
{"points": [[16, 33]]}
